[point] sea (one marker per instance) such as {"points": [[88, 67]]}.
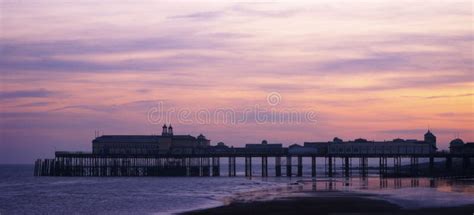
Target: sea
{"points": [[22, 193]]}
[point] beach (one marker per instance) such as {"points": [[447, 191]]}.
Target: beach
{"points": [[341, 204], [366, 196]]}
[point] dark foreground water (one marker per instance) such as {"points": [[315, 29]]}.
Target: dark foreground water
{"points": [[21, 193]]}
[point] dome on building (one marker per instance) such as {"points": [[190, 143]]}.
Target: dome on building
{"points": [[456, 142], [398, 140], [360, 140]]}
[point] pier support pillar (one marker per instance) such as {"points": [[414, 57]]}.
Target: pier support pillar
{"points": [[264, 166], [313, 166], [288, 166], [278, 166], [187, 163], [363, 166], [229, 169], [346, 166], [215, 166], [234, 167], [207, 167], [248, 166], [382, 166], [329, 166], [232, 170], [201, 169], [414, 165], [431, 165], [300, 166], [397, 163]]}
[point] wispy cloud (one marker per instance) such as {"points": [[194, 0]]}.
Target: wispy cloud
{"points": [[142, 105], [203, 16], [427, 61], [441, 96], [442, 131], [37, 93], [34, 104], [239, 9]]}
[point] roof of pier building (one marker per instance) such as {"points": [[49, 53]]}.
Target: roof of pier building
{"points": [[263, 145], [456, 142], [167, 138], [139, 138]]}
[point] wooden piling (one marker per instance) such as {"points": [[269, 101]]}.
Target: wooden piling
{"points": [[288, 166], [264, 166], [278, 166], [300, 166]]}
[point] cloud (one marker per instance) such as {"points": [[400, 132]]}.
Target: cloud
{"points": [[412, 81], [428, 39], [441, 96], [19, 115], [421, 82], [128, 106], [144, 91], [417, 61], [446, 55], [175, 41], [203, 16], [239, 9], [272, 13], [227, 35], [174, 62], [467, 116], [98, 108], [101, 46], [38, 93], [378, 62], [34, 104], [441, 131], [179, 51]]}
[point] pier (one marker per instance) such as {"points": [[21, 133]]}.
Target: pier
{"points": [[208, 163], [185, 155]]}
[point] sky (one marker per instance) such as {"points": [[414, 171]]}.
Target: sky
{"points": [[373, 69]]}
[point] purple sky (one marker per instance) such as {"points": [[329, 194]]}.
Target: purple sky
{"points": [[285, 71]]}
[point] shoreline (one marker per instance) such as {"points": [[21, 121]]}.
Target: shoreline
{"points": [[331, 204], [304, 198]]}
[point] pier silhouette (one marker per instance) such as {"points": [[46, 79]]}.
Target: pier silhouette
{"points": [[186, 155]]}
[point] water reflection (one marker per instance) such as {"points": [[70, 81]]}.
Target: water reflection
{"points": [[377, 183], [407, 192]]}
